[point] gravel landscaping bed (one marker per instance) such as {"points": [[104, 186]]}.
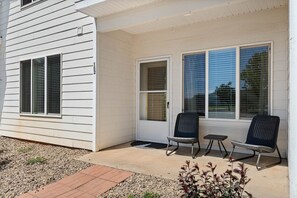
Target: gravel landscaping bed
{"points": [[138, 184], [26, 166]]}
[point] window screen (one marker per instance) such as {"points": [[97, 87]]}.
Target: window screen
{"points": [[222, 77], [26, 86], [38, 85], [194, 83], [254, 80], [53, 84]]}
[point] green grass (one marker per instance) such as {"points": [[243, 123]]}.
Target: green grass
{"points": [[35, 160], [25, 149]]}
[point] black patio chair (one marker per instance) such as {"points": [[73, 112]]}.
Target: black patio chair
{"points": [[261, 138], [186, 131]]}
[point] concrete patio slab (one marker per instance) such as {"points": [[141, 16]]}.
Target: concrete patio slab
{"points": [[269, 182]]}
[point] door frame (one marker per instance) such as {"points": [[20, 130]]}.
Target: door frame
{"points": [[167, 58]]}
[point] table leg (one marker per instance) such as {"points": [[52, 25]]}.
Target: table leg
{"points": [[208, 148]]}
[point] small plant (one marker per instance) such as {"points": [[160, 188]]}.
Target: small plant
{"points": [[151, 195], [147, 195], [25, 149], [197, 183], [35, 160]]}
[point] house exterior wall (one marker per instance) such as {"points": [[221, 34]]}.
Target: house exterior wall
{"points": [[40, 29], [116, 89], [3, 28], [292, 157], [265, 26]]}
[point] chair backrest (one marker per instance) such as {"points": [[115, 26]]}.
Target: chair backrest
{"points": [[187, 125], [263, 131]]}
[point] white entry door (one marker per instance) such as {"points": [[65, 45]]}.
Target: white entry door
{"points": [[153, 100]]}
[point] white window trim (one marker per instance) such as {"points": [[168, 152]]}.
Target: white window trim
{"points": [[237, 110], [46, 114], [29, 4]]}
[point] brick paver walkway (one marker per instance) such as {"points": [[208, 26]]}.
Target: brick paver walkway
{"points": [[88, 183]]}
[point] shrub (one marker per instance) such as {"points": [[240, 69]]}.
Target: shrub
{"points": [[35, 160], [199, 183]]}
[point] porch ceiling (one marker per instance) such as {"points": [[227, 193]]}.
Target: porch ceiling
{"points": [[139, 16]]}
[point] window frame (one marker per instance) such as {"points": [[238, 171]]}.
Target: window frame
{"points": [[45, 114], [29, 4], [237, 87]]}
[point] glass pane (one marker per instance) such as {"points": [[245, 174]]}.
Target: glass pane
{"points": [[253, 81], [53, 84], [153, 76], [222, 77], [25, 2], [38, 85], [194, 83], [26, 86], [153, 106]]}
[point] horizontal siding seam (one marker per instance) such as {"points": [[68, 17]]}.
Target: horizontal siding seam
{"points": [[34, 127], [22, 119], [46, 135], [77, 67]]}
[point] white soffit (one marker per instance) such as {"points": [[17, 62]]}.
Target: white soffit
{"points": [[100, 8], [140, 16]]}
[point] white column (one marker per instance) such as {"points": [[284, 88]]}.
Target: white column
{"points": [[292, 150]]}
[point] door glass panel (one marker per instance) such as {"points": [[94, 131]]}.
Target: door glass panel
{"points": [[153, 76], [153, 94], [153, 106]]}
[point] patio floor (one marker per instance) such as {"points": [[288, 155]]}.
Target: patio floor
{"points": [[269, 182]]}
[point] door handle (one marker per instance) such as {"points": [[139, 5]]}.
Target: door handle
{"points": [[167, 105]]}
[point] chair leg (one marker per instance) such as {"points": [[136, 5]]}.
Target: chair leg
{"points": [[279, 155], [242, 158], [258, 160], [230, 155], [194, 156], [170, 152], [279, 161]]}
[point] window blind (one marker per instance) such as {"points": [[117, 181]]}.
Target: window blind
{"points": [[194, 83], [254, 78], [222, 83], [38, 85], [53, 84], [26, 86]]}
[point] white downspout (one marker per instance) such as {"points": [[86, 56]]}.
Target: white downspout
{"points": [[292, 132]]}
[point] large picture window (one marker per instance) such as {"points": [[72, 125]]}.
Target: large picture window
{"points": [[40, 85], [230, 83]]}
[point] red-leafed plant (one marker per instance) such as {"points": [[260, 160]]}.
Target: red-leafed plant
{"points": [[199, 183]]}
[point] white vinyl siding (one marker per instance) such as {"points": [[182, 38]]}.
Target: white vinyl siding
{"points": [[45, 28]]}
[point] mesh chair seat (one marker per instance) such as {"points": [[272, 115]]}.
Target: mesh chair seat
{"points": [[253, 147], [261, 137], [186, 131], [183, 140]]}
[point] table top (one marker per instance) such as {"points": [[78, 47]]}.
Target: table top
{"points": [[215, 137]]}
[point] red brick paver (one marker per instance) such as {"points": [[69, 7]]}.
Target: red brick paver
{"points": [[88, 183]]}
